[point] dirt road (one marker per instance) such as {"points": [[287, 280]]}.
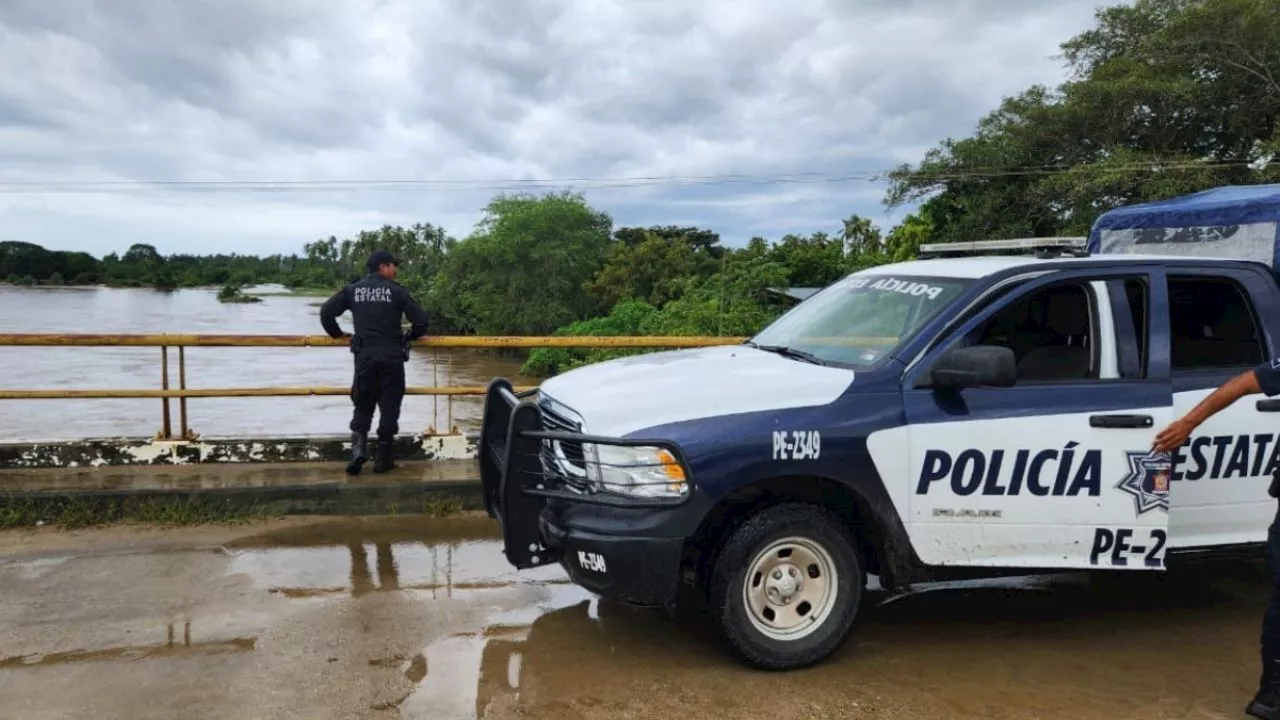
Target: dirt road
{"points": [[406, 617]]}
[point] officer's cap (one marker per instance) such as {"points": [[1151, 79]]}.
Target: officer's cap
{"points": [[382, 256]]}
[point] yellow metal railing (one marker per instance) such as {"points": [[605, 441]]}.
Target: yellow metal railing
{"points": [[181, 342]]}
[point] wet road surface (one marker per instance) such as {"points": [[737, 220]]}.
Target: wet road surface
{"points": [[404, 617]]}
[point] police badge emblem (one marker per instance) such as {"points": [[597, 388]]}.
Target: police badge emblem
{"points": [[1148, 480]]}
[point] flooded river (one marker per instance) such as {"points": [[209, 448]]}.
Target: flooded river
{"points": [[396, 617], [104, 310]]}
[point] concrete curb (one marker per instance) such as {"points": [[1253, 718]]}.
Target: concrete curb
{"points": [[301, 499], [126, 451]]}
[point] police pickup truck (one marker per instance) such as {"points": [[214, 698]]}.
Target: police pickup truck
{"points": [[916, 421]]}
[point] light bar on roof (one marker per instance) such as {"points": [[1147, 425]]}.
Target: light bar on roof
{"points": [[1067, 243]]}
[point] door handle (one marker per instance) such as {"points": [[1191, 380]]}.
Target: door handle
{"points": [[1268, 405], [1120, 421]]}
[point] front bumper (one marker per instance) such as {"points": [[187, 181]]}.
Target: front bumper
{"points": [[519, 484], [633, 570]]}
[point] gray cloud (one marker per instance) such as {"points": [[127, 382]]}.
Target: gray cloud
{"points": [[487, 91]]}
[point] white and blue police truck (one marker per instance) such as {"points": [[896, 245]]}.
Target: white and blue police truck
{"points": [[967, 413]]}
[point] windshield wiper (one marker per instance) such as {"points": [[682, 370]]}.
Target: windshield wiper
{"points": [[789, 352]]}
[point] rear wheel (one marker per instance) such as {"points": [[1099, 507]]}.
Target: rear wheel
{"points": [[786, 587]]}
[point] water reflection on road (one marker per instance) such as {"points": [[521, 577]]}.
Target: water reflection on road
{"points": [[105, 310], [402, 618]]}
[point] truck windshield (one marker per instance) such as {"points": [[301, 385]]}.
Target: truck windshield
{"points": [[860, 319]]}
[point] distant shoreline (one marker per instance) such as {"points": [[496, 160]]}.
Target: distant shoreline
{"points": [[298, 292]]}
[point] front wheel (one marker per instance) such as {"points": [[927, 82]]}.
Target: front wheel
{"points": [[787, 587]]}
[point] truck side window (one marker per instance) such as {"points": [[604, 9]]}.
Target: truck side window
{"points": [[1212, 324], [1051, 333]]}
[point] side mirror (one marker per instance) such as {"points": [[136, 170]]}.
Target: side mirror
{"points": [[975, 366]]}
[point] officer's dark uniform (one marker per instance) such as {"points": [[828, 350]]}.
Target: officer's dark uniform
{"points": [[381, 349], [1267, 702]]}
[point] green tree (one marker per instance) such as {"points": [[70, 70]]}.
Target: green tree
{"points": [[904, 241], [420, 249], [143, 255], [652, 264], [523, 269], [812, 261], [1165, 97], [628, 317], [861, 237], [22, 258], [737, 301]]}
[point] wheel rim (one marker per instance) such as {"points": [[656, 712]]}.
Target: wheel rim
{"points": [[790, 588]]}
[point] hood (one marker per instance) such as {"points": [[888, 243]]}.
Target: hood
{"points": [[617, 397]]}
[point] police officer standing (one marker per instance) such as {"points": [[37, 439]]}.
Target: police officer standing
{"points": [[1263, 379], [381, 349]]}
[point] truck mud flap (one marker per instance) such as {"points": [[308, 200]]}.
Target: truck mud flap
{"points": [[509, 461]]}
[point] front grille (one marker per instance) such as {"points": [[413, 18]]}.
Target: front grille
{"points": [[562, 460]]}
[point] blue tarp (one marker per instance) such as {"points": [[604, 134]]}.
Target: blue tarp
{"points": [[1235, 221]]}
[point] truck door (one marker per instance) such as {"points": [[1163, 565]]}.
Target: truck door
{"points": [[1220, 476], [1056, 471]]}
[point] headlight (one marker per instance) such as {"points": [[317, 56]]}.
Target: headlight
{"points": [[638, 471]]}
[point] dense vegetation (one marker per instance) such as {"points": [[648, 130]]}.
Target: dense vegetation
{"points": [[1165, 97], [140, 266]]}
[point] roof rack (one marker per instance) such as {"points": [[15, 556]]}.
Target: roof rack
{"points": [[1041, 247]]}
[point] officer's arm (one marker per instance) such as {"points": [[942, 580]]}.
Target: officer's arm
{"points": [[331, 309], [1246, 383], [1263, 379], [417, 317]]}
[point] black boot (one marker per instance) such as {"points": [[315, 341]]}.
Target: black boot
{"points": [[359, 452], [1266, 704], [385, 461]]}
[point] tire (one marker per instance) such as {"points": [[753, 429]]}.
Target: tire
{"points": [[803, 538]]}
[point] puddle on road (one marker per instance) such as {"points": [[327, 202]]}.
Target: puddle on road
{"points": [[440, 558], [32, 569], [174, 647], [980, 648]]}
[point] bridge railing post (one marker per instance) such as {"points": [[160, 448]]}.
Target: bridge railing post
{"points": [[182, 385], [448, 379], [435, 399], [166, 429]]}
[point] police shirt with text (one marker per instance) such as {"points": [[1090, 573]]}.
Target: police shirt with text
{"points": [[377, 305], [1268, 374]]}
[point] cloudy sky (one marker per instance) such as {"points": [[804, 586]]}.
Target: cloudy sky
{"points": [[299, 119]]}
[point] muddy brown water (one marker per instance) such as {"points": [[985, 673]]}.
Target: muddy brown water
{"points": [[106, 310], [401, 617]]}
